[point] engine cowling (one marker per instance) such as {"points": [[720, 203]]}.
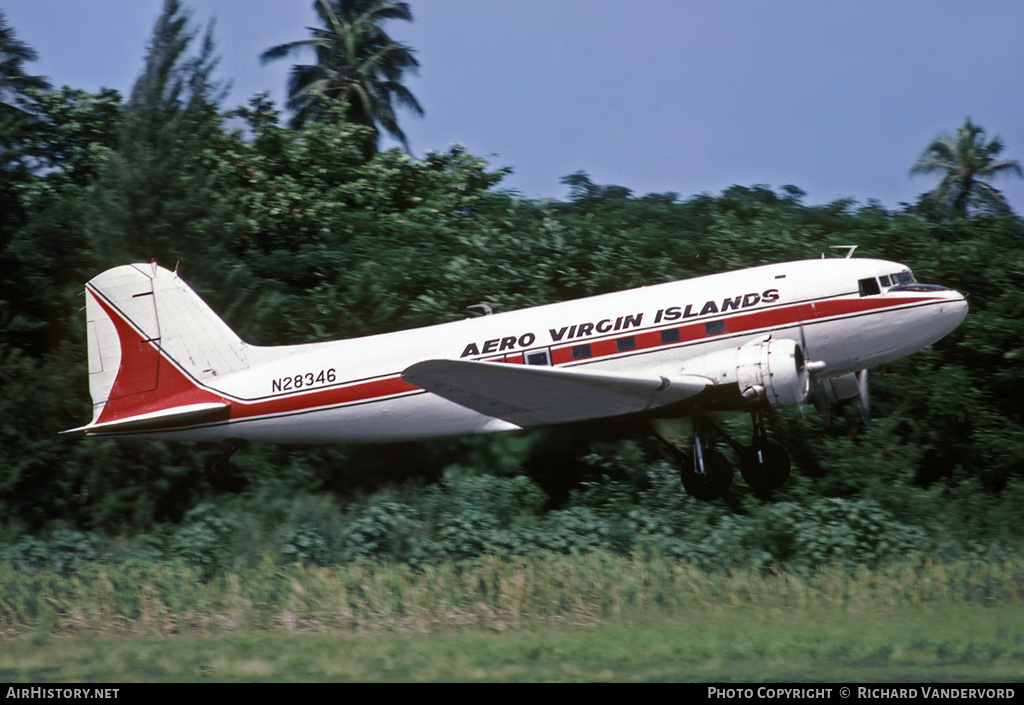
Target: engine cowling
{"points": [[769, 370], [835, 389], [773, 370]]}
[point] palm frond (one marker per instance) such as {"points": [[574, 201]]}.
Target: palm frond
{"points": [[930, 165], [1005, 166], [283, 50], [992, 196]]}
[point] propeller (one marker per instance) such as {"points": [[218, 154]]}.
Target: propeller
{"points": [[862, 396], [821, 402], [825, 390], [811, 367], [853, 385]]}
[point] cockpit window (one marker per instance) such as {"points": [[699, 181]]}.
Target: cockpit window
{"points": [[884, 281], [904, 277], [919, 287], [869, 287]]}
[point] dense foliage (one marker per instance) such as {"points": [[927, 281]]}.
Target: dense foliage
{"points": [[298, 235]]}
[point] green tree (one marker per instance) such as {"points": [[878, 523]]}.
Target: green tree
{"points": [[357, 63], [14, 81], [964, 159], [15, 106], [155, 190], [45, 259]]}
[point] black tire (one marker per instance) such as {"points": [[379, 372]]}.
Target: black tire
{"points": [[222, 476], [716, 481], [765, 472]]}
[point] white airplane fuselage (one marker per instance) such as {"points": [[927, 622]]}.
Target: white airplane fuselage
{"points": [[843, 315]]}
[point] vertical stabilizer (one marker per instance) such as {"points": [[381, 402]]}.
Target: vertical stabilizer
{"points": [[152, 344]]}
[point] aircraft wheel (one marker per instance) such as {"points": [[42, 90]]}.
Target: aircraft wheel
{"points": [[766, 471], [715, 481], [221, 475]]}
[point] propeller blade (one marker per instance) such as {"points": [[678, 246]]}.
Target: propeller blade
{"points": [[814, 393], [823, 403], [862, 396]]}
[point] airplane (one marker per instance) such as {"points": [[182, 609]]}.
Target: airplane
{"points": [[163, 365]]}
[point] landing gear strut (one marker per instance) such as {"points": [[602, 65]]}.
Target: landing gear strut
{"points": [[706, 474], [764, 465], [219, 472]]}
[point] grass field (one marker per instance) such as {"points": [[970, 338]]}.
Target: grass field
{"points": [[953, 644], [575, 618]]}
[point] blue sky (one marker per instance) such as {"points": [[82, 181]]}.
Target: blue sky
{"points": [[838, 98]]}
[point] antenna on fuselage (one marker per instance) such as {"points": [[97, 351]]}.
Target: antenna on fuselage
{"points": [[849, 250]]}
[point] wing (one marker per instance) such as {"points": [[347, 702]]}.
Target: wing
{"points": [[534, 396]]}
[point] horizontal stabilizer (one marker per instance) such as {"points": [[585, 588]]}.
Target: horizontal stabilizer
{"points": [[175, 417], [532, 396]]}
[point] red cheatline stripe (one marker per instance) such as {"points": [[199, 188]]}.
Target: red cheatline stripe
{"points": [[780, 317], [389, 386], [170, 387], [372, 390], [182, 390]]}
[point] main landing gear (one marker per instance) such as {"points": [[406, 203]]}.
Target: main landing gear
{"points": [[707, 474], [764, 465]]}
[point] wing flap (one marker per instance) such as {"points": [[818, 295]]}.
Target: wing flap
{"points": [[534, 396]]}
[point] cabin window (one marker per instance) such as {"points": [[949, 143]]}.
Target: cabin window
{"points": [[540, 357], [714, 328], [869, 287], [670, 336], [581, 352], [625, 344]]}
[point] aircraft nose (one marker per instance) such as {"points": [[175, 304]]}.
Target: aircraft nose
{"points": [[953, 309]]}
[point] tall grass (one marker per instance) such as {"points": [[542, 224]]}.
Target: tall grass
{"points": [[491, 592]]}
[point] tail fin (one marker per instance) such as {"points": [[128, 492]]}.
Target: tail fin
{"points": [[152, 343]]}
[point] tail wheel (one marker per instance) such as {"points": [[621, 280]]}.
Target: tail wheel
{"points": [[219, 473], [715, 480], [765, 467]]}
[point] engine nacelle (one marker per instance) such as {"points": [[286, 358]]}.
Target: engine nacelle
{"points": [[773, 369], [769, 370], [834, 389]]}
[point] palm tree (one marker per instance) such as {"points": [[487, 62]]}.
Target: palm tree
{"points": [[356, 63], [964, 159]]}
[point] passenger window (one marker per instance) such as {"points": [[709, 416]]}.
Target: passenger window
{"points": [[625, 344], [714, 328], [541, 357], [869, 287], [581, 352]]}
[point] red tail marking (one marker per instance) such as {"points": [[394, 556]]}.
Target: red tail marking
{"points": [[146, 379]]}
